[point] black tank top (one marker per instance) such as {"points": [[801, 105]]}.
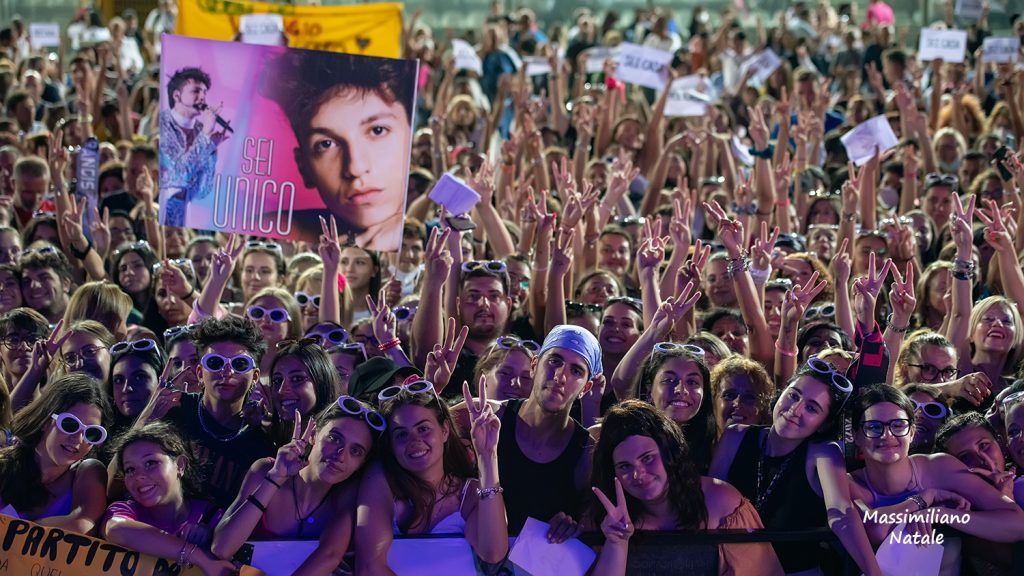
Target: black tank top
{"points": [[792, 503], [532, 488]]}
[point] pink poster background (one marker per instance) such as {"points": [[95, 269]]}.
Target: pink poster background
{"points": [[235, 69]]}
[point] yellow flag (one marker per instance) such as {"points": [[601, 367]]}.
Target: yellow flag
{"points": [[367, 29]]}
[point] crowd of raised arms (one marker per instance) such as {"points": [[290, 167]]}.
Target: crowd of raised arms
{"points": [[641, 333]]}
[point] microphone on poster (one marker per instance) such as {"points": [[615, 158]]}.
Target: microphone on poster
{"points": [[220, 121]]}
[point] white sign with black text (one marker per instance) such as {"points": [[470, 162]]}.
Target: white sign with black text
{"points": [[945, 45], [642, 66]]}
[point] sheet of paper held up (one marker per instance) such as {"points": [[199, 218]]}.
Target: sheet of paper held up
{"points": [[532, 552], [454, 195], [896, 559], [861, 142]]}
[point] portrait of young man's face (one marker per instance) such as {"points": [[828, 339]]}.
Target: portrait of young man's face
{"points": [[191, 93], [352, 154]]}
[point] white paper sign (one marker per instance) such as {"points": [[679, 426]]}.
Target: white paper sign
{"points": [[861, 142], [265, 29], [454, 195], [898, 559], [597, 56], [642, 66], [762, 64], [533, 553], [968, 8], [741, 152], [466, 57], [96, 36], [689, 96], [536, 65], [945, 45], [44, 34], [1001, 49]]}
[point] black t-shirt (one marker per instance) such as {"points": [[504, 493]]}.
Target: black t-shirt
{"points": [[223, 456]]}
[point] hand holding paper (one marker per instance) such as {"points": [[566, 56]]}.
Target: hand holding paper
{"points": [[454, 195], [862, 141], [533, 553]]}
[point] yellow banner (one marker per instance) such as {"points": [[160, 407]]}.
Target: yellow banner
{"points": [[367, 29], [26, 548]]}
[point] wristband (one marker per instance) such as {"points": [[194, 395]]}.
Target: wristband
{"points": [[962, 275], [917, 499], [271, 480], [488, 493], [760, 276], [767, 153], [903, 330], [395, 343], [81, 255], [786, 353], [190, 294], [252, 499]]}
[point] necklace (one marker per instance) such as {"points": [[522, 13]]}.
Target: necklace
{"points": [[762, 497], [202, 422], [308, 518]]}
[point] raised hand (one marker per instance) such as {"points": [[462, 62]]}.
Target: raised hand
{"points": [[866, 289], [329, 247], [58, 157], [758, 127], [960, 227], [438, 258], [174, 279], [901, 296], [651, 252], [799, 298], [692, 269], [292, 457], [561, 253], [840, 265], [761, 253], [730, 231], [482, 181], [485, 426], [672, 310], [225, 258], [680, 226], [385, 325], [442, 359], [851, 191], [616, 525], [71, 223], [145, 187], [996, 233], [100, 229]]}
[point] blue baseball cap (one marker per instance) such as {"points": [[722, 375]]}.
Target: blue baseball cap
{"points": [[578, 340]]}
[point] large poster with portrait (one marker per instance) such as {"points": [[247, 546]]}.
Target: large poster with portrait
{"points": [[264, 140]]}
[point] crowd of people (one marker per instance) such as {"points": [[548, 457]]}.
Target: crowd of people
{"points": [[648, 323]]}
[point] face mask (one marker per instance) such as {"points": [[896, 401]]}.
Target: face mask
{"points": [[949, 167], [889, 196]]}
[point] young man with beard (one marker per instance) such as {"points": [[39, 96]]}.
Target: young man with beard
{"points": [[45, 281], [223, 443], [484, 306], [543, 454]]}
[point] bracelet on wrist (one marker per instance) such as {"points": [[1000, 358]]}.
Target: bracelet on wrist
{"points": [[962, 275], [760, 276], [393, 343], [849, 216], [893, 328], [787, 353], [83, 253], [488, 493], [919, 500], [765, 153]]}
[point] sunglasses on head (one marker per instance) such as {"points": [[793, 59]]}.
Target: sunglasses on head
{"points": [[1012, 399], [822, 193], [403, 312], [841, 382], [492, 266], [70, 424], [139, 245], [277, 315], [935, 179], [42, 250], [43, 214], [418, 386], [633, 303], [183, 263], [272, 246], [826, 311], [136, 345], [356, 408], [511, 342], [305, 299], [676, 346], [933, 410], [240, 364], [176, 330], [630, 220], [581, 308], [348, 347]]}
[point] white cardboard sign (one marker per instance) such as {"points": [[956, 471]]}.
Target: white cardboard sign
{"points": [[945, 45], [265, 29], [862, 141], [1001, 49], [762, 63], [466, 57], [454, 195], [642, 66], [536, 65], [44, 34], [689, 96], [596, 57]]}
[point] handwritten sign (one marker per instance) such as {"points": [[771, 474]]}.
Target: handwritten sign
{"points": [[263, 29], [96, 36], [761, 65], [466, 57], [536, 65], [596, 57], [454, 195], [44, 34], [968, 8], [689, 96], [1001, 49], [862, 141], [945, 45], [642, 66]]}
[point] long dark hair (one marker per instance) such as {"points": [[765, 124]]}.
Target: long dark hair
{"points": [[702, 430], [638, 418], [321, 372], [831, 428], [153, 357], [20, 477], [165, 436], [406, 486]]}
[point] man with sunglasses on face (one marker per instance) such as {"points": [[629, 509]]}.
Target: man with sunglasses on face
{"points": [[213, 421]]}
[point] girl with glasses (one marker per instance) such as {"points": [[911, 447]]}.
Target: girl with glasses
{"points": [[165, 515], [643, 461], [276, 314], [797, 459], [308, 489], [427, 483], [930, 413], [56, 433], [893, 480]]}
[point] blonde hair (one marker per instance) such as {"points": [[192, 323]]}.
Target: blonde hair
{"points": [[288, 302], [102, 301], [1016, 349]]}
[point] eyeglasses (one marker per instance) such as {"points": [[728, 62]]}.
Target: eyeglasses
{"points": [[356, 408], [136, 345], [842, 383], [934, 179], [174, 331], [82, 356], [676, 346], [348, 347], [899, 427], [240, 364], [42, 251], [510, 342], [930, 372], [577, 308], [826, 311], [415, 387], [306, 299], [272, 246], [70, 424], [335, 336], [933, 410], [492, 266], [12, 342], [403, 312], [277, 315]]}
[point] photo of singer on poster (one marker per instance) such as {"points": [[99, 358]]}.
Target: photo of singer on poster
{"points": [[263, 140]]}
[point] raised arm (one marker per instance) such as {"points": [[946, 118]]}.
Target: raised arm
{"points": [[558, 269], [843, 518], [963, 273], [426, 324], [374, 515], [330, 254], [220, 272], [486, 527], [998, 237], [497, 233]]}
